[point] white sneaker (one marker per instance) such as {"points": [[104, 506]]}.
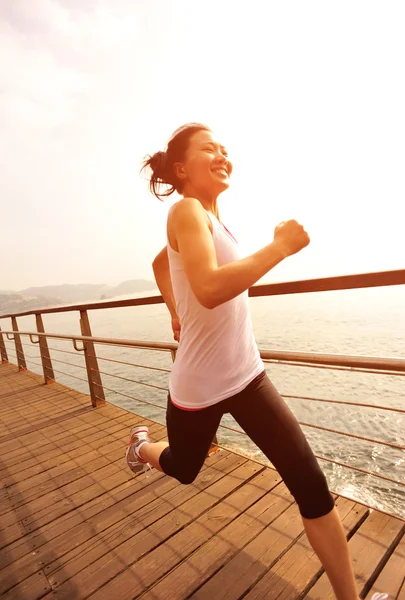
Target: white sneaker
{"points": [[137, 437], [380, 596]]}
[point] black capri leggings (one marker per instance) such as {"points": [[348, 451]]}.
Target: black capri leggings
{"points": [[267, 420]]}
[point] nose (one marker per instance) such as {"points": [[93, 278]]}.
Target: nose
{"points": [[221, 160]]}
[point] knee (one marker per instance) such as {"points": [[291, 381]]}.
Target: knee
{"points": [[313, 496], [184, 471], [187, 477]]}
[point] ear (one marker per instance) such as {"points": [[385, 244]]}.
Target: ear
{"points": [[179, 171]]}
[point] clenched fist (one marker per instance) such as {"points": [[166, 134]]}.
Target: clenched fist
{"points": [[291, 237]]}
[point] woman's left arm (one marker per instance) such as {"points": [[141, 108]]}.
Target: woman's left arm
{"points": [[161, 271]]}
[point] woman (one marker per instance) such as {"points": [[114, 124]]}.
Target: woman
{"points": [[218, 367]]}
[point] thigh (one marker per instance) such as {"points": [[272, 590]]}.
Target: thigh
{"points": [[190, 433], [267, 420]]}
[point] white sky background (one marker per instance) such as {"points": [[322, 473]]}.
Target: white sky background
{"points": [[308, 97]]}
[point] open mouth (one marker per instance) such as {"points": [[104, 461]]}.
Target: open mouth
{"points": [[222, 171]]}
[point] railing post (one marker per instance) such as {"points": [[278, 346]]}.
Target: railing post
{"points": [[93, 373], [22, 365], [45, 356], [214, 446], [3, 349]]}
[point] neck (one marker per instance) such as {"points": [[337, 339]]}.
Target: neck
{"points": [[208, 200]]}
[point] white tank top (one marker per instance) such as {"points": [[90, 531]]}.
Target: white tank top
{"points": [[217, 356]]}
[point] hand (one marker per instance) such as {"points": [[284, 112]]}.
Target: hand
{"points": [[291, 237], [176, 327]]}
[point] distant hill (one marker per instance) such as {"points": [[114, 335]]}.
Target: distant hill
{"points": [[88, 292], [70, 293], [14, 303], [56, 295], [132, 286]]}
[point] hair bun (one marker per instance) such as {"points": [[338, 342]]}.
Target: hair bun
{"points": [[157, 163]]}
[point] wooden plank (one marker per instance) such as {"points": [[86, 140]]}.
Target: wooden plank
{"points": [[36, 514], [69, 525], [37, 449], [47, 401], [110, 552], [58, 456], [212, 556], [368, 547], [71, 497], [118, 517], [119, 490], [49, 493], [69, 450], [36, 465], [58, 416], [392, 576], [46, 462], [31, 477], [31, 588], [401, 595], [100, 532], [81, 415], [27, 490], [252, 496], [287, 578]]}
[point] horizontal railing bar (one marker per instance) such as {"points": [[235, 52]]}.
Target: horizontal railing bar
{"points": [[139, 344], [345, 402], [64, 362], [133, 398], [332, 368], [360, 470], [35, 363], [157, 387], [335, 462], [69, 375], [353, 435], [64, 351], [324, 284], [378, 363], [123, 362], [328, 284], [398, 447], [365, 362]]}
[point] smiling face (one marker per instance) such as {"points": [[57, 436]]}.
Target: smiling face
{"points": [[206, 168]]}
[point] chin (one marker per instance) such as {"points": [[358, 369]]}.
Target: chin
{"points": [[221, 187]]}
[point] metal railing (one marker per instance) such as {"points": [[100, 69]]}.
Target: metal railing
{"points": [[85, 344]]}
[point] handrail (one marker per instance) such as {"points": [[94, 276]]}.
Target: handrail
{"points": [[324, 284], [366, 362], [161, 369]]}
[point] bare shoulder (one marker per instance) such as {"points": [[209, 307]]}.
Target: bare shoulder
{"points": [[188, 209], [186, 218], [186, 206]]}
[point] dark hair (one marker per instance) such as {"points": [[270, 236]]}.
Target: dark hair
{"points": [[162, 163]]}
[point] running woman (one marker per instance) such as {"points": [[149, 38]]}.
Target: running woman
{"points": [[218, 368]]}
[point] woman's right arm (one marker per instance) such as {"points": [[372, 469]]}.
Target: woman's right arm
{"points": [[214, 285]]}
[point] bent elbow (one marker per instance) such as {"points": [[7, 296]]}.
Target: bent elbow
{"points": [[207, 300]]}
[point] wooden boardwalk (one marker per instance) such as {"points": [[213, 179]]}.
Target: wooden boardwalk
{"points": [[76, 524]]}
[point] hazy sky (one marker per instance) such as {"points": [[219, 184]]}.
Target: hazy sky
{"points": [[308, 97]]}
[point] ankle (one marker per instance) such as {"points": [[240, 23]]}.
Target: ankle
{"points": [[138, 449]]}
